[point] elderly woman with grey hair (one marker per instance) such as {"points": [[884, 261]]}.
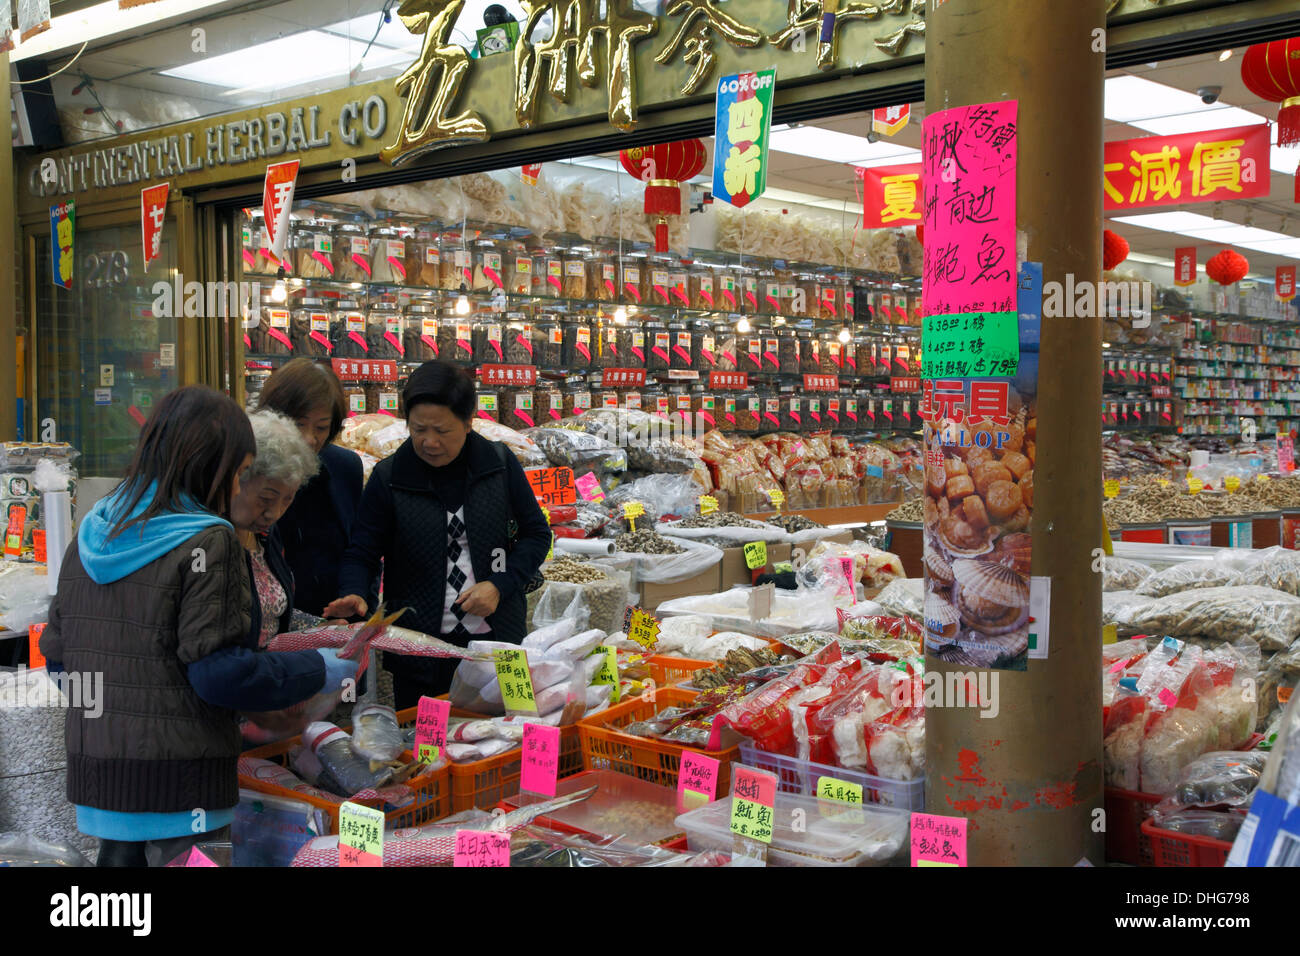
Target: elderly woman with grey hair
{"points": [[284, 462]]}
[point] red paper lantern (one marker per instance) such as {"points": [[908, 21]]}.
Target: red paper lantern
{"points": [[1227, 267], [1272, 72], [663, 168], [1114, 249]]}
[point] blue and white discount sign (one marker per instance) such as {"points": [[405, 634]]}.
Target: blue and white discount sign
{"points": [[743, 125]]}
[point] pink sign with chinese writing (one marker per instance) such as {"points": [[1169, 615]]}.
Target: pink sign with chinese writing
{"points": [[969, 156], [697, 780], [938, 841], [541, 759], [481, 848], [754, 785]]}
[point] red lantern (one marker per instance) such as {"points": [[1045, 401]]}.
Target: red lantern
{"points": [[1227, 267], [1272, 72], [663, 168], [1114, 249]]}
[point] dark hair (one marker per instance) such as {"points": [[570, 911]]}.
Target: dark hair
{"points": [[193, 446], [440, 383], [299, 387]]}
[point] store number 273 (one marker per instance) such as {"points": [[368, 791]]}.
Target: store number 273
{"points": [[105, 269]]}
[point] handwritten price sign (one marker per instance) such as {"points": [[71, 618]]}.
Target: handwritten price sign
{"points": [[756, 555], [361, 835], [541, 759], [697, 781], [431, 728], [516, 680], [481, 848], [753, 803], [938, 841], [642, 627]]}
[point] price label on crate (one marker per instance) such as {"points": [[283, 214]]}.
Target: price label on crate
{"points": [[1194, 485], [756, 554], [516, 680], [642, 627], [541, 759], [631, 511], [1232, 483], [431, 728], [481, 848], [777, 497], [708, 504], [938, 841], [361, 835], [697, 781], [753, 803], [1111, 487], [608, 672]]}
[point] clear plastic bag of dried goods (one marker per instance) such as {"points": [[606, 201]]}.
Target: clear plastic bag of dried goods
{"points": [[692, 559], [1271, 834], [1190, 574], [902, 598], [1217, 824], [1277, 568], [375, 734], [578, 450], [594, 604], [660, 495], [1220, 778], [1121, 574], [1270, 618], [25, 849]]}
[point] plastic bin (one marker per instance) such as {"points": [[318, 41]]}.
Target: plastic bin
{"points": [[485, 783], [604, 747], [1125, 812], [570, 745], [826, 834], [666, 671], [800, 776], [1169, 848], [622, 806]]}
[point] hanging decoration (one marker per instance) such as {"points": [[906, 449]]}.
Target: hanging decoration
{"points": [[1272, 72], [1227, 267], [1114, 249], [663, 168]]}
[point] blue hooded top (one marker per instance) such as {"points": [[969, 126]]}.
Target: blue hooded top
{"points": [[108, 559]]}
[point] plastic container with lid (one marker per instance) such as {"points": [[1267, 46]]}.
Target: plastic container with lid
{"points": [[312, 242], [550, 343], [575, 283], [704, 289], [460, 347], [725, 341], [830, 301], [457, 264], [791, 298], [771, 350], [349, 328], [704, 342], [382, 398], [548, 274], [489, 341], [312, 320], [820, 834], [637, 346], [351, 253], [728, 414], [250, 241], [679, 405], [727, 291], [421, 332], [789, 346], [680, 353], [660, 286], [275, 323], [853, 418], [577, 342], [832, 354], [633, 277], [658, 347], [548, 402], [810, 356], [633, 400], [805, 297], [704, 410], [849, 298], [679, 287], [751, 293], [638, 811], [847, 363], [602, 397], [772, 411], [519, 270], [602, 279], [488, 403], [749, 349], [749, 410], [519, 406], [385, 331], [814, 414], [833, 416], [522, 339], [425, 265], [489, 268], [794, 413], [656, 401], [389, 261], [769, 293]]}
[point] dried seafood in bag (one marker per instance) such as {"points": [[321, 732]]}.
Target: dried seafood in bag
{"points": [[1120, 574], [1188, 575], [1270, 618]]}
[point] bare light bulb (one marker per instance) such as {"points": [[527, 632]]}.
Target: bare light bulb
{"points": [[278, 292], [462, 304], [845, 335], [1225, 55], [620, 315], [742, 325]]}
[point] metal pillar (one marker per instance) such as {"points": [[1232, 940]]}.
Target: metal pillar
{"points": [[1030, 779]]}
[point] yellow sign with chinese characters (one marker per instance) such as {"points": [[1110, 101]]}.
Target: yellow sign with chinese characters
{"points": [[516, 680], [708, 504]]}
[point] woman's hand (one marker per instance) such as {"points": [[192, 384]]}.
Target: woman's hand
{"points": [[354, 605], [481, 599]]}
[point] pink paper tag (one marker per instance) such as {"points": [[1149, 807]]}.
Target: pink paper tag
{"points": [[698, 775], [938, 841], [1119, 665], [431, 723], [846, 565], [1168, 697], [481, 848], [541, 759], [589, 487], [754, 785]]}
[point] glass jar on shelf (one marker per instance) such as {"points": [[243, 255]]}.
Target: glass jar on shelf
{"points": [[660, 291], [522, 339], [751, 292], [461, 341], [726, 347], [388, 256], [704, 347], [311, 320], [790, 298], [489, 274], [633, 281], [487, 403], [704, 410], [830, 301], [771, 349], [548, 273], [354, 393], [703, 288], [679, 287], [831, 357], [788, 348], [349, 329], [771, 418], [848, 354], [655, 400], [602, 278], [769, 293], [518, 406], [727, 290], [604, 343], [457, 263], [815, 412], [658, 346], [351, 252], [577, 342], [275, 328], [679, 353], [806, 300], [385, 331], [312, 245], [793, 413], [518, 269], [381, 398], [849, 299], [548, 402], [604, 397], [679, 405], [809, 352], [550, 339], [575, 282], [750, 348], [250, 243], [421, 332], [577, 398], [489, 341], [426, 259], [632, 400]]}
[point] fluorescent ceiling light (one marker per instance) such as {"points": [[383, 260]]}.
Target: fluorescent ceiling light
{"points": [[70, 30], [1284, 246], [1173, 221], [1150, 260], [392, 34], [285, 62], [833, 146], [1217, 232], [1165, 111]]}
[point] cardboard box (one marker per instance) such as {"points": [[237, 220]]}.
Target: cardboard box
{"points": [[736, 571], [652, 595]]}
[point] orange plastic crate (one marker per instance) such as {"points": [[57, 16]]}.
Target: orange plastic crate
{"points": [[1125, 812], [605, 747], [668, 671], [570, 745], [1169, 848], [432, 791]]}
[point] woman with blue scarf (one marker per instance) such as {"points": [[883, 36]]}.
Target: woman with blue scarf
{"points": [[154, 594]]}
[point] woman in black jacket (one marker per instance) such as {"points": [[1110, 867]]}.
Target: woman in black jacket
{"points": [[316, 527], [458, 529]]}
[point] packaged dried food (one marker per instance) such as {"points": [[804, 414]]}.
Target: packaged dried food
{"points": [[659, 345], [769, 293], [703, 293], [351, 253], [518, 407], [457, 265], [549, 353], [349, 329], [679, 289], [814, 412], [789, 343], [704, 410], [679, 403], [751, 294], [426, 260], [575, 284], [633, 279], [577, 343], [680, 355], [312, 242], [356, 398], [750, 351], [1182, 577], [311, 328], [548, 400], [521, 340], [385, 331], [421, 332], [489, 273], [793, 413], [790, 295], [250, 240], [848, 356], [579, 450], [631, 346], [489, 342], [519, 272], [850, 304], [660, 289], [1216, 779], [388, 256], [704, 346], [488, 403], [831, 362], [1270, 618], [603, 279]]}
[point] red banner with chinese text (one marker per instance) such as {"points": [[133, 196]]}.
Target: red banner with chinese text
{"points": [[891, 196], [1187, 168], [1185, 265], [1284, 283]]}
